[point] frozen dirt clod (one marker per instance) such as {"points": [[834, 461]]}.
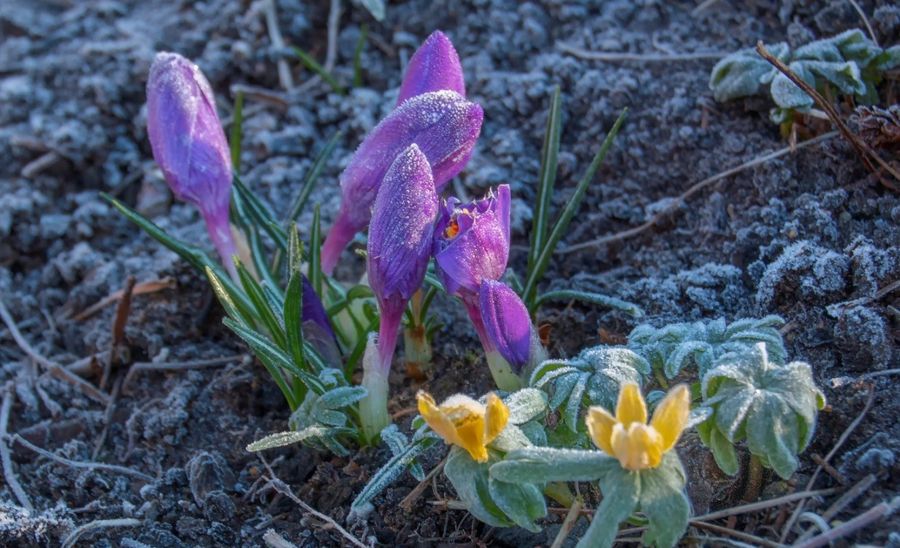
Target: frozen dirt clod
{"points": [[811, 236]]}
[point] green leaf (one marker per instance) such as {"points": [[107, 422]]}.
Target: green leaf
{"points": [[309, 182], [357, 55], [282, 439], [315, 254], [845, 76], [523, 503], [594, 377], [375, 7], [233, 301], [547, 464], [237, 122], [293, 318], [470, 481], [888, 59], [398, 443], [787, 94], [631, 309], [773, 406], [662, 499], [262, 306], [525, 405], [743, 73], [342, 396], [546, 181], [572, 207], [621, 492], [309, 62]]}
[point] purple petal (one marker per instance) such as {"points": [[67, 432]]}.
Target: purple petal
{"points": [[442, 124], [434, 66], [185, 133], [506, 322], [400, 235], [189, 144], [313, 310], [471, 242]]}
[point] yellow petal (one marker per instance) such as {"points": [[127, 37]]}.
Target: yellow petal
{"points": [[600, 425], [671, 415], [470, 433], [638, 447], [631, 407], [436, 419], [495, 417]]}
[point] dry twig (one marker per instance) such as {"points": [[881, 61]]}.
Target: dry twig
{"points": [[284, 71], [862, 148], [865, 20], [746, 537], [73, 537], [694, 189], [139, 289], [52, 368], [615, 56], [285, 490], [8, 473], [179, 366], [417, 491], [80, 464], [865, 519], [568, 523]]}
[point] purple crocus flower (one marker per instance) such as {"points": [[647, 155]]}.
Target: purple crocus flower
{"points": [[317, 329], [443, 125], [189, 144], [507, 324], [399, 249], [471, 242], [400, 239], [434, 66]]}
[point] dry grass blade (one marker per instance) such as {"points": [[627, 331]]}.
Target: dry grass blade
{"points": [[417, 491], [864, 150], [8, 473], [139, 289], [73, 537], [865, 20], [865, 519], [180, 366], [614, 56], [694, 189], [568, 523], [52, 368], [80, 464], [746, 537]]}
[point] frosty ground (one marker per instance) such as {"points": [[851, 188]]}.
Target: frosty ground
{"points": [[811, 236]]}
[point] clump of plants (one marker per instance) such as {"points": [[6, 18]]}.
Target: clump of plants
{"points": [[550, 422], [849, 64]]}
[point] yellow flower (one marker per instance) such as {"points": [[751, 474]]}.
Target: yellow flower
{"points": [[629, 438], [462, 421]]}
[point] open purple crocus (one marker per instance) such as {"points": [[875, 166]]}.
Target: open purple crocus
{"points": [[399, 248], [443, 125], [189, 145]]}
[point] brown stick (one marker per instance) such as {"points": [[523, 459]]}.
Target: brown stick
{"points": [[747, 537], [865, 519], [116, 344], [568, 523], [139, 289], [417, 491], [864, 150]]}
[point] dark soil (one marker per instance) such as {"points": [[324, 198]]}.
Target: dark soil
{"points": [[812, 236]]}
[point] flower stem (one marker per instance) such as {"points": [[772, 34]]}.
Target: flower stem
{"points": [[220, 233], [560, 492], [503, 374], [340, 234], [373, 412], [416, 346]]}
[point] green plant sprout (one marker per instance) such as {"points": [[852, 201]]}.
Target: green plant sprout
{"points": [[849, 63]]}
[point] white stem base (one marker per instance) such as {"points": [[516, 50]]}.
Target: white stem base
{"points": [[373, 412], [504, 377]]}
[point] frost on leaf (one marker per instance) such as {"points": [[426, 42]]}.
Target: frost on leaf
{"points": [[594, 377], [771, 406], [673, 347], [743, 73]]}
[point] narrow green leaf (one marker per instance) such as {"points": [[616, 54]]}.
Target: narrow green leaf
{"points": [[551, 464], [237, 122], [282, 439], [594, 298], [313, 65], [357, 55], [232, 301], [621, 491], [295, 250], [375, 7], [315, 253], [546, 182], [571, 209], [309, 182], [293, 313], [260, 215], [263, 310]]}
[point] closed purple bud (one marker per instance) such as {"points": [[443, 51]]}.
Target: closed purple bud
{"points": [[442, 124], [507, 324], [317, 329], [400, 240], [434, 66], [471, 242], [313, 310], [189, 144]]}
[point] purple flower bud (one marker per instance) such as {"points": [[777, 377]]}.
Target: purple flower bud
{"points": [[442, 124], [471, 242], [316, 327], [434, 66], [189, 144], [506, 322], [400, 240]]}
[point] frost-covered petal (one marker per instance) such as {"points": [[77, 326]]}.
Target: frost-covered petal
{"points": [[401, 231], [496, 416], [506, 322], [631, 407], [600, 425], [444, 126], [671, 415], [472, 241], [435, 66], [435, 418]]}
